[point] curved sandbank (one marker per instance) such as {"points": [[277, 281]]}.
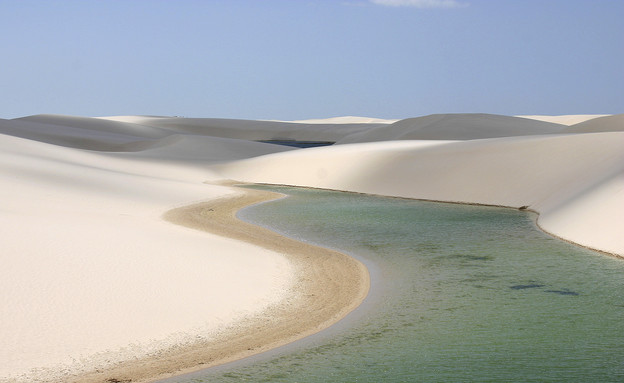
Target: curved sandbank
{"points": [[328, 285]]}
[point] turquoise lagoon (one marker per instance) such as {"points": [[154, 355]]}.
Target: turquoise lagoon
{"points": [[459, 293]]}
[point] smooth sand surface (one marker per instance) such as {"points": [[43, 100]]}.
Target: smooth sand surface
{"points": [[69, 136], [252, 130], [614, 123], [346, 120], [569, 119], [464, 126], [94, 277]]}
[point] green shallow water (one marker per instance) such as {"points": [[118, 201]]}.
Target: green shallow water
{"points": [[459, 293]]}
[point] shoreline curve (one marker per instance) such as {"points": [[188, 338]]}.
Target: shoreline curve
{"points": [[527, 209], [328, 286]]}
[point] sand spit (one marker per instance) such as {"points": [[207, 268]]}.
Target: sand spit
{"points": [[328, 285], [93, 275]]}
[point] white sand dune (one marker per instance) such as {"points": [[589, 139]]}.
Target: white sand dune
{"points": [[346, 120], [113, 136], [69, 136], [97, 125], [252, 129], [92, 274], [89, 266], [453, 127], [614, 123], [569, 119], [193, 151]]}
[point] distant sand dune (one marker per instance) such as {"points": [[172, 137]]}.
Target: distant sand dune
{"points": [[346, 120], [250, 129], [69, 136], [97, 125], [571, 119], [613, 123], [453, 127]]}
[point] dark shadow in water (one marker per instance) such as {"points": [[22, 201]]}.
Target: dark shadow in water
{"points": [[522, 287], [470, 257], [563, 292]]}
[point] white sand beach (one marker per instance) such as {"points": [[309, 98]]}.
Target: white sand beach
{"points": [[121, 252]]}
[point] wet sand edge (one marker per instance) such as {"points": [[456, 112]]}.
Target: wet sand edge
{"points": [[328, 285]]}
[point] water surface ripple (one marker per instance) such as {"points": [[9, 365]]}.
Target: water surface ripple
{"points": [[459, 293]]}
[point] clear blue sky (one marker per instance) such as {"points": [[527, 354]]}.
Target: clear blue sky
{"points": [[294, 59]]}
